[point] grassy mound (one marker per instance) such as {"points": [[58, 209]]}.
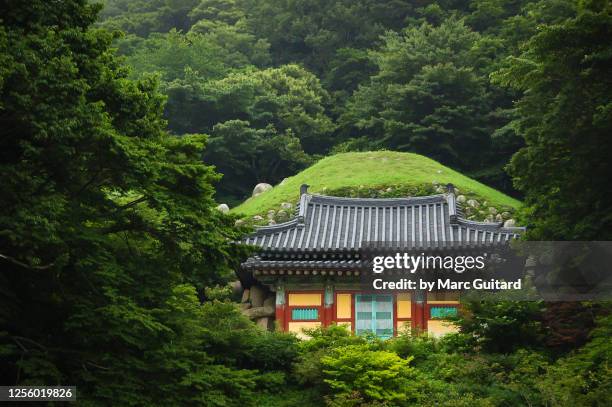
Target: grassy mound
{"points": [[374, 174]]}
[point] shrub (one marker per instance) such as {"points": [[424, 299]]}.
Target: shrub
{"points": [[356, 371]]}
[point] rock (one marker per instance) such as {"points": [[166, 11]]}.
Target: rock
{"points": [[270, 302], [492, 210], [440, 189], [506, 215], [271, 222], [489, 219], [264, 323], [439, 171], [456, 191], [271, 214], [281, 214], [257, 296], [510, 223], [261, 188], [223, 208], [461, 198], [286, 206], [498, 218], [473, 203], [258, 312], [236, 288], [239, 222], [257, 218], [245, 295], [245, 306]]}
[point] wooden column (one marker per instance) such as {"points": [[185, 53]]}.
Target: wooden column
{"points": [[419, 323], [280, 305]]}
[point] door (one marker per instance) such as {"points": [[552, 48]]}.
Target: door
{"points": [[374, 313]]}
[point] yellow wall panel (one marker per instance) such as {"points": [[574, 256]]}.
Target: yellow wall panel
{"points": [[404, 327], [298, 328], [344, 308], [404, 309], [437, 327], [305, 299]]}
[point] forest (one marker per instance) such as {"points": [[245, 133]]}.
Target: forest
{"points": [[124, 123]]}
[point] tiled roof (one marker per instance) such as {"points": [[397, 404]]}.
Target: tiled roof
{"points": [[326, 223]]}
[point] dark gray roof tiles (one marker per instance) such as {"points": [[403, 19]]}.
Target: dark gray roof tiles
{"points": [[335, 223]]}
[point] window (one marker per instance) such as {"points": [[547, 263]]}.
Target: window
{"points": [[442, 312], [304, 314]]}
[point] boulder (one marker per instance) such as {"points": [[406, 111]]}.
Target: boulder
{"points": [[261, 188], [492, 210], [286, 206], [270, 302], [510, 223], [239, 222], [473, 203], [498, 218], [257, 296], [258, 312], [223, 208], [236, 288], [257, 218], [271, 222], [461, 198], [506, 215], [281, 214], [264, 323], [245, 295], [271, 214]]}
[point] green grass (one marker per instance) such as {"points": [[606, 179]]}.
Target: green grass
{"points": [[371, 169]]}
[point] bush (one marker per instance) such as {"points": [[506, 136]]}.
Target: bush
{"points": [[359, 373]]}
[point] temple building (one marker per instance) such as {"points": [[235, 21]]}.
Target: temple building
{"points": [[310, 268]]}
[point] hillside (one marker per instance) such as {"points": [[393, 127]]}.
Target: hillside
{"points": [[376, 174]]}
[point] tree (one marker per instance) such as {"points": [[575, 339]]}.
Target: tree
{"points": [[429, 96], [262, 125], [246, 156], [109, 232], [565, 117]]}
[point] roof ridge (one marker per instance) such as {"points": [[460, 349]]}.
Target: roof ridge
{"points": [[408, 200], [260, 230]]}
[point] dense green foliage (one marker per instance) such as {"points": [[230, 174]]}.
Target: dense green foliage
{"points": [[385, 74], [109, 233], [566, 118]]}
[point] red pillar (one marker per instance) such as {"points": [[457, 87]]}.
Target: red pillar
{"points": [[280, 316], [327, 315], [419, 323]]}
